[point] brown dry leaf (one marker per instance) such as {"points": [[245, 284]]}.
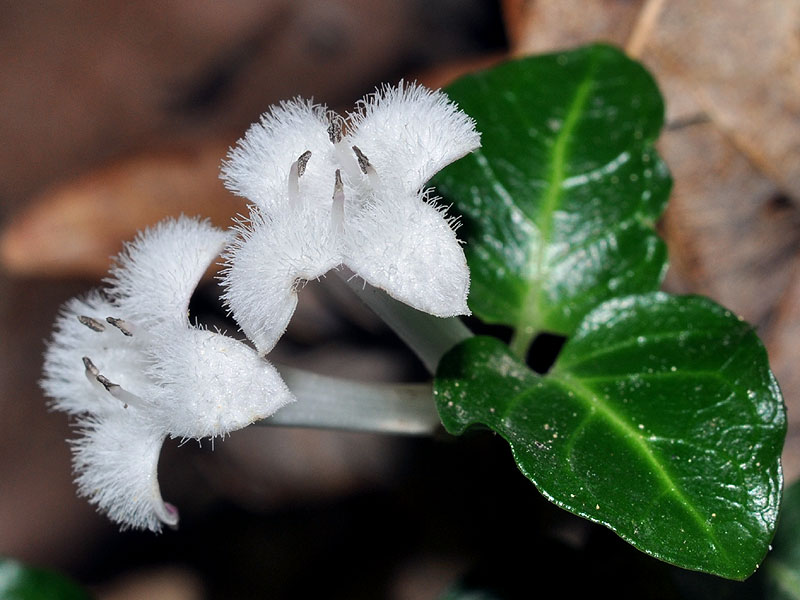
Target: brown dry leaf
{"points": [[548, 25], [536, 26], [743, 65], [85, 81], [731, 235], [682, 108], [74, 228], [442, 75], [514, 12], [681, 105], [781, 340]]}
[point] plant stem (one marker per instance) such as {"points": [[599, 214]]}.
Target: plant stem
{"points": [[333, 403], [521, 341], [428, 337]]}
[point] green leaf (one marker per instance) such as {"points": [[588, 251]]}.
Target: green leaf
{"points": [[660, 420], [559, 203], [779, 575], [20, 582]]}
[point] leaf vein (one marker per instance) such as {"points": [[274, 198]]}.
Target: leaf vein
{"points": [[592, 399], [534, 263]]}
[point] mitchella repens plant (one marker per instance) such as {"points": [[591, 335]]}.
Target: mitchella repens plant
{"points": [[659, 419]]}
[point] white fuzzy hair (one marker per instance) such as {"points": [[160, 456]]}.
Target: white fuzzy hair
{"points": [[166, 378], [392, 234]]}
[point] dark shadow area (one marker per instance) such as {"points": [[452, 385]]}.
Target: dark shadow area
{"points": [[544, 351]]}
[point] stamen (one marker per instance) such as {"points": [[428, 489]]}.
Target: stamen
{"points": [[302, 161], [337, 210], [91, 323], [119, 393], [363, 161], [123, 326], [105, 381], [335, 128], [295, 173], [366, 167], [91, 370], [93, 373]]}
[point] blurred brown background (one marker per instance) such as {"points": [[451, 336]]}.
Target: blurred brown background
{"points": [[115, 114]]}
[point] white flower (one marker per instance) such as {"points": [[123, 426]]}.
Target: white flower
{"points": [[133, 370], [331, 191]]}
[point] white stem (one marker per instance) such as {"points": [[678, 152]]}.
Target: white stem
{"points": [[333, 403], [294, 185], [428, 337]]}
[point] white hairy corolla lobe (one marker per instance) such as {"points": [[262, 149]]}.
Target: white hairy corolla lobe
{"points": [[127, 363], [330, 191]]}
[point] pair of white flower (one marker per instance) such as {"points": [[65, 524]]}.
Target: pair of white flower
{"points": [[327, 191]]}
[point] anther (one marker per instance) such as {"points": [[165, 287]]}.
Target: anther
{"points": [[106, 382], [363, 161], [366, 167], [119, 392], [123, 326], [91, 369], [302, 161], [337, 210], [91, 323], [295, 173], [335, 128]]}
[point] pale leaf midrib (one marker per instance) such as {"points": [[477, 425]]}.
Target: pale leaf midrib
{"points": [[530, 311], [595, 403]]}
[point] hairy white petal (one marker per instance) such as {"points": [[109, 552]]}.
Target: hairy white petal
{"points": [[115, 355], [258, 166], [156, 274], [397, 139], [210, 384], [404, 245], [267, 263], [134, 371], [410, 132], [116, 462]]}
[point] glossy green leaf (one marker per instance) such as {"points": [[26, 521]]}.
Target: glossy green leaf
{"points": [[660, 419], [778, 578], [559, 203], [20, 582]]}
